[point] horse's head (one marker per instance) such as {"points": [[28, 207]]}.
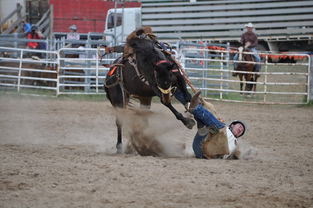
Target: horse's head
{"points": [[243, 54], [240, 50], [163, 75], [153, 64]]}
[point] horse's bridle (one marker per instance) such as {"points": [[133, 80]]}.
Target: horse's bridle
{"points": [[164, 91], [161, 62]]}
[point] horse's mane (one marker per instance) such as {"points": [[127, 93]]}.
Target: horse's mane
{"points": [[142, 45]]}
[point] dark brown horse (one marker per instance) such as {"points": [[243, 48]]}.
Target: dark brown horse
{"points": [[152, 73], [251, 78]]}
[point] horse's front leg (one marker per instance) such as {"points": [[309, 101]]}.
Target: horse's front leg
{"points": [[188, 122], [241, 84]]}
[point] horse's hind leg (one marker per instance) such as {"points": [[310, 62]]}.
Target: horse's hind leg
{"points": [[118, 99], [145, 102], [119, 136]]}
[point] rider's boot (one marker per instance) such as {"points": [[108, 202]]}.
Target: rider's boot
{"points": [[195, 100]]}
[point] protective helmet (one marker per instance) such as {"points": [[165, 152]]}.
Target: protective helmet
{"points": [[73, 27], [249, 25], [243, 125], [34, 27]]}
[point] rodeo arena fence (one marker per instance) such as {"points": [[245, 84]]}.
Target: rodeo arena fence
{"points": [[77, 67]]}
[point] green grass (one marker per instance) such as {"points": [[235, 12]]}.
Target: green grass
{"points": [[84, 97], [310, 103], [52, 93]]}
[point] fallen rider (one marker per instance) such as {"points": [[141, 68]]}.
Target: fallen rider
{"points": [[214, 139]]}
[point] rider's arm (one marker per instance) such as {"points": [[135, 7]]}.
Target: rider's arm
{"points": [[115, 49], [243, 39], [118, 49]]}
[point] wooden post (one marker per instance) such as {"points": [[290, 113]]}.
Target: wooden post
{"points": [[19, 9], [51, 20]]}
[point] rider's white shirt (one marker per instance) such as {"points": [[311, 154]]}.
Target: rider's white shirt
{"points": [[232, 143], [73, 36]]}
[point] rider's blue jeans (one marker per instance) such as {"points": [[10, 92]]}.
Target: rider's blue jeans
{"points": [[180, 97], [210, 121], [197, 145], [257, 59]]}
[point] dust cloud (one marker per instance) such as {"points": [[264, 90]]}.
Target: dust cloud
{"points": [[151, 133]]}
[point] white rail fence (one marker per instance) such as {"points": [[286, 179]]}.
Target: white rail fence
{"points": [[279, 83], [81, 71], [23, 71]]}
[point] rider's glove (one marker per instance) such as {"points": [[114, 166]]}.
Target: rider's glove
{"points": [[247, 44]]}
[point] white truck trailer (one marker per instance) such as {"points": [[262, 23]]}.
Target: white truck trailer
{"points": [[282, 25]]}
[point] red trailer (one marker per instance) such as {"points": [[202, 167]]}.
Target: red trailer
{"points": [[87, 15]]}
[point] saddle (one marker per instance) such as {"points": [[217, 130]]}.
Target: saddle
{"points": [[143, 32], [252, 55], [114, 75]]}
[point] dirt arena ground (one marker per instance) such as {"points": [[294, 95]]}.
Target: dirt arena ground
{"points": [[61, 153]]}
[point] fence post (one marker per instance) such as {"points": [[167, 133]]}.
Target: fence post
{"points": [[58, 73], [15, 43], [19, 11], [311, 78], [51, 20], [97, 71], [20, 71]]}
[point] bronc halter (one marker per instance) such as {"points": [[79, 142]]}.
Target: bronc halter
{"points": [[133, 61], [164, 91]]}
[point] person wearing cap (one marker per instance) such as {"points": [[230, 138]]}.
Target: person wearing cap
{"points": [[214, 139], [35, 34], [249, 40], [73, 35]]}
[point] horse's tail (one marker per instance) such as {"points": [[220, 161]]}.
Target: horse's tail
{"points": [[107, 92]]}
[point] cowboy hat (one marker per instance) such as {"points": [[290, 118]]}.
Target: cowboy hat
{"points": [[73, 27], [249, 25]]}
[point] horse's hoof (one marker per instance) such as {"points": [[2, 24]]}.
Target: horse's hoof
{"points": [[190, 123]]}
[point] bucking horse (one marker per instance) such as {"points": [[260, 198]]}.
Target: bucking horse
{"points": [[149, 72]]}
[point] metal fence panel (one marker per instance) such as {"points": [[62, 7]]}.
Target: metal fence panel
{"points": [[82, 71]]}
